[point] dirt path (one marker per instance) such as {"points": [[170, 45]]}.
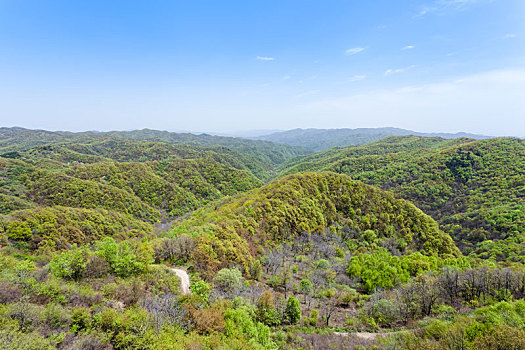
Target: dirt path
{"points": [[362, 335], [368, 335], [184, 280]]}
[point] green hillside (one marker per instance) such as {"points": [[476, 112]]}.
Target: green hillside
{"points": [[166, 182], [234, 229], [91, 230], [475, 189], [110, 144]]}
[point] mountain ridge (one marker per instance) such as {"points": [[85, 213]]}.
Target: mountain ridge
{"points": [[323, 139]]}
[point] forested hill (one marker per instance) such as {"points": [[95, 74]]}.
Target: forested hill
{"points": [[323, 139], [475, 189], [17, 139], [78, 192], [234, 230]]}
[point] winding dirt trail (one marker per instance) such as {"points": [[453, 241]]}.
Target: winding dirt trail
{"points": [[370, 335], [184, 280]]}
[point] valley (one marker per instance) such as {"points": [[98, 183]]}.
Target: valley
{"points": [[158, 240]]}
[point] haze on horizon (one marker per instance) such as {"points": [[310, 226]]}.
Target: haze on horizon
{"points": [[428, 66]]}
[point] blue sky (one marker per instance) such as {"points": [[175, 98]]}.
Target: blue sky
{"points": [[437, 65]]}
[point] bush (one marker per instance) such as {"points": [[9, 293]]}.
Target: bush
{"points": [[96, 267], [9, 292], [201, 289], [313, 319], [175, 250], [80, 320], [384, 312], [70, 264], [228, 280], [292, 313], [501, 337], [122, 261], [19, 231]]}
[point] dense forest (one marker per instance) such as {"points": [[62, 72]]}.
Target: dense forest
{"points": [[408, 242], [475, 189]]}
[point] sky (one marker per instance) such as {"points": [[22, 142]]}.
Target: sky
{"points": [[228, 66]]}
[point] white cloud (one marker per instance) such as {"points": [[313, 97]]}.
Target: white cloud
{"points": [[408, 47], [510, 36], [397, 70], [287, 77], [491, 103], [357, 77], [354, 51], [265, 58]]}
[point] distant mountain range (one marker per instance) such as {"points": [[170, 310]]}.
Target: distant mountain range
{"points": [[323, 139]]}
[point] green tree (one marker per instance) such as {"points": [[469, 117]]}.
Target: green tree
{"points": [[292, 313]]}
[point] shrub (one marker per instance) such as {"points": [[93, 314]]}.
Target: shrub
{"points": [[501, 337], [80, 320], [122, 261], [9, 292], [19, 231], [384, 312], [292, 313], [175, 250], [201, 289], [228, 280], [70, 264]]}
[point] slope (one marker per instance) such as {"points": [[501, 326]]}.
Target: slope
{"points": [[235, 230], [474, 188]]}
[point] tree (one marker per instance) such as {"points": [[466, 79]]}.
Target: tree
{"points": [[292, 313], [228, 281], [306, 288]]}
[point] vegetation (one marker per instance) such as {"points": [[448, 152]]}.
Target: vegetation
{"points": [[93, 226], [474, 189]]}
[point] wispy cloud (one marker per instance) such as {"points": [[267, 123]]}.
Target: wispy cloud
{"points": [[265, 58], [510, 36], [408, 47], [354, 51], [397, 70], [358, 77], [287, 77], [487, 103], [442, 6]]}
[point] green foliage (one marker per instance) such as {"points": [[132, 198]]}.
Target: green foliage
{"points": [[384, 312], [228, 280], [378, 270], [121, 258], [240, 324], [58, 227], [309, 202], [19, 231], [201, 289], [80, 320], [70, 264], [474, 189], [292, 313]]}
